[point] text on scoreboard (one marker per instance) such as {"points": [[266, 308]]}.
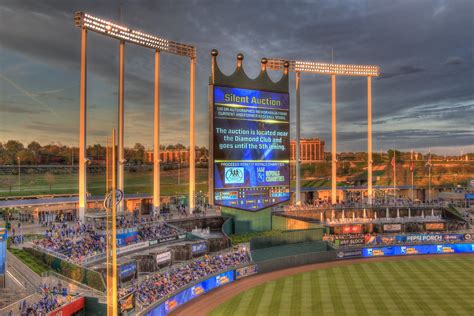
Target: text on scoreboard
{"points": [[251, 148]]}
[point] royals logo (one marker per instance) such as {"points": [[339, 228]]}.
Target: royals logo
{"points": [[261, 174], [234, 175]]}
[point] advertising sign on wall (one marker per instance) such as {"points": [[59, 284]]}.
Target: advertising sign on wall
{"points": [[434, 226], [420, 238], [246, 271], [199, 247], [127, 304], [251, 148], [350, 241], [126, 238], [69, 309], [349, 229], [3, 250], [188, 294], [127, 272], [417, 250], [163, 257], [138, 245], [349, 254], [392, 227]]}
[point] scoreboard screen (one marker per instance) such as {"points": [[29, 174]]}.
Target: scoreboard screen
{"points": [[251, 148]]}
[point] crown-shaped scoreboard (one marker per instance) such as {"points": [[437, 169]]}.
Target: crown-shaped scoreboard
{"points": [[249, 138]]}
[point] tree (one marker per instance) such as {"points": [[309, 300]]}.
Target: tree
{"points": [[49, 177], [398, 155], [26, 157], [139, 153], [34, 147], [5, 158], [14, 146]]}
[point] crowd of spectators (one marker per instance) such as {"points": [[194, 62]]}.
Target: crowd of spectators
{"points": [[52, 297], [159, 285], [156, 230], [41, 307], [324, 204], [79, 241]]}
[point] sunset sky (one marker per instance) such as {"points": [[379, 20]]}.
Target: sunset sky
{"points": [[423, 100]]}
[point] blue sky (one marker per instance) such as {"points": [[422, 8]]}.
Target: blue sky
{"points": [[424, 98]]}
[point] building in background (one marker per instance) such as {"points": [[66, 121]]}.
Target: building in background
{"points": [[177, 155], [312, 149]]}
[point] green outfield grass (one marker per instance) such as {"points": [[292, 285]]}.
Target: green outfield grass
{"points": [[435, 286], [135, 182]]}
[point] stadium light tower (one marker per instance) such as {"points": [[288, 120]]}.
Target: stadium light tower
{"points": [[332, 70], [126, 35]]}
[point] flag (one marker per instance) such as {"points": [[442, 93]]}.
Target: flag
{"points": [[412, 166], [393, 161], [428, 163]]}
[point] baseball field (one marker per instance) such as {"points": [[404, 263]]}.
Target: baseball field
{"points": [[420, 286]]}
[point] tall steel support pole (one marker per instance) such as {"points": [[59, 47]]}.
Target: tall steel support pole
{"points": [[210, 175], [121, 160], [298, 137], [112, 299], [394, 175], [429, 182], [333, 143], [369, 140], [156, 136], [82, 128], [192, 139]]}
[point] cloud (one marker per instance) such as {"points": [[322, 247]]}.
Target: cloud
{"points": [[412, 41], [20, 109], [401, 71], [454, 60]]}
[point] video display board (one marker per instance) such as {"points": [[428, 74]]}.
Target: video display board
{"points": [[251, 148], [417, 250], [192, 292], [3, 250], [127, 272]]}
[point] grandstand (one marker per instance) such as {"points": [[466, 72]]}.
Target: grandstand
{"points": [[400, 217]]}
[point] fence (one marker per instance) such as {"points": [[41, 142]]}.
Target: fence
{"points": [[287, 237], [288, 250], [290, 261]]}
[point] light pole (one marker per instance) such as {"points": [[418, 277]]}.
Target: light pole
{"points": [[333, 142], [83, 127], [19, 173], [121, 116], [333, 70], [429, 183], [192, 138], [298, 140], [156, 135], [179, 165], [369, 141], [124, 34]]}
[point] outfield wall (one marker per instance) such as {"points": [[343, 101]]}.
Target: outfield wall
{"points": [[324, 254], [332, 254], [170, 303]]}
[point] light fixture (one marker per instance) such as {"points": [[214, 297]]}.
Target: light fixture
{"points": [[325, 68], [90, 22]]}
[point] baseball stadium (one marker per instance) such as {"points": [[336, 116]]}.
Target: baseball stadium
{"points": [[229, 230]]}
